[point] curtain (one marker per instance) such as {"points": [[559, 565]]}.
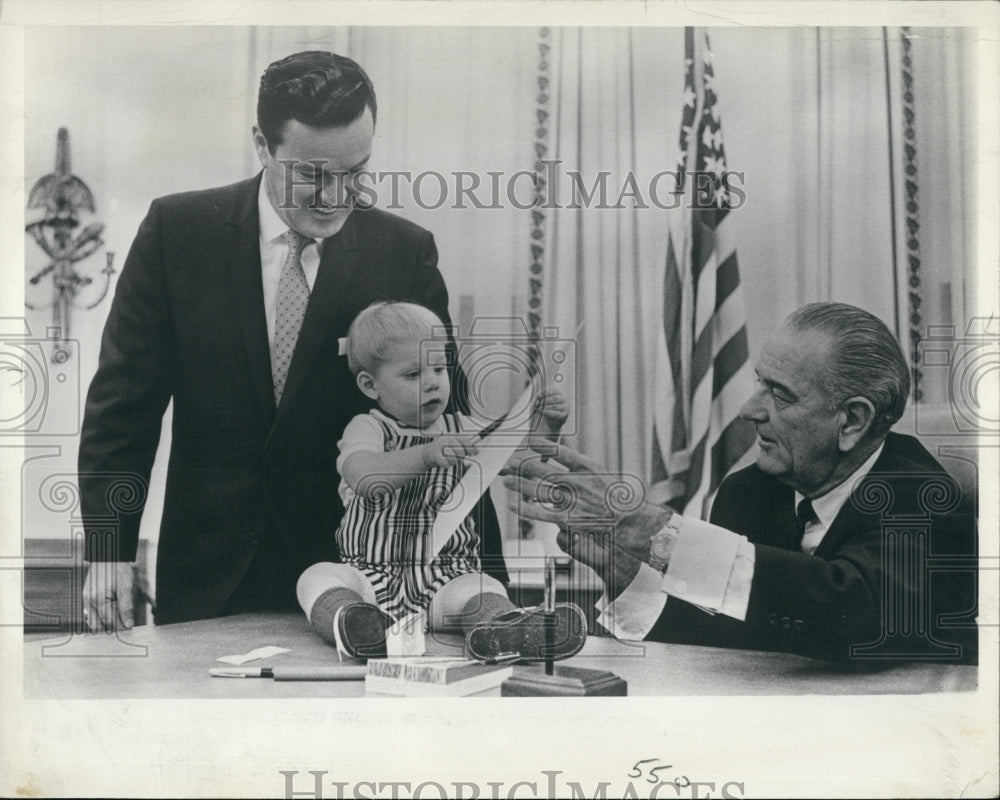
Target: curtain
{"points": [[943, 309], [807, 122], [933, 135], [596, 290]]}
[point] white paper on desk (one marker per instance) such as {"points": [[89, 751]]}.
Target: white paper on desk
{"points": [[253, 655], [494, 451]]}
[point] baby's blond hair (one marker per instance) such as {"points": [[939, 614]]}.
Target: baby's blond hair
{"points": [[382, 325]]}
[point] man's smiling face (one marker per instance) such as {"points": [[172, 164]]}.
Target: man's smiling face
{"points": [[308, 158]]}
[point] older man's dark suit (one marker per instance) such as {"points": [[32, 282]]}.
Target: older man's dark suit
{"points": [[823, 604], [251, 497]]}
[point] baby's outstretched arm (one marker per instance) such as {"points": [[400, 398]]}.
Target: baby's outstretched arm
{"points": [[367, 472]]}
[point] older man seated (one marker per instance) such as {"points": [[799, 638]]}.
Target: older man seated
{"points": [[843, 541]]}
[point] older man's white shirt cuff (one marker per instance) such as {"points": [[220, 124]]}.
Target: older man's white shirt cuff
{"points": [[633, 613], [701, 565], [710, 567]]}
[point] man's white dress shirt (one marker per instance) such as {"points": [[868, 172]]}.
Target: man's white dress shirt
{"points": [[274, 250], [711, 567]]}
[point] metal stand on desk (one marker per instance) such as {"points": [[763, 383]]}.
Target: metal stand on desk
{"points": [[550, 681]]}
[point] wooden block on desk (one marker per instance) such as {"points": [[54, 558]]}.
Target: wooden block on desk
{"points": [[566, 682]]}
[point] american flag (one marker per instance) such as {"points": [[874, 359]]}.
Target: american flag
{"points": [[702, 373]]}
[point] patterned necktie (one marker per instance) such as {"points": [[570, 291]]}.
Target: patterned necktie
{"points": [[290, 310], [804, 514]]}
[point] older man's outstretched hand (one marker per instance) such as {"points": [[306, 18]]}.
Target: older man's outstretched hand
{"points": [[577, 494], [613, 565]]}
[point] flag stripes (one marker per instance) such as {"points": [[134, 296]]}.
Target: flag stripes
{"points": [[702, 370]]}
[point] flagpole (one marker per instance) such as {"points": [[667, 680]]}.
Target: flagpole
{"points": [[687, 283]]}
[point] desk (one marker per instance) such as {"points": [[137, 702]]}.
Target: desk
{"points": [[172, 661]]}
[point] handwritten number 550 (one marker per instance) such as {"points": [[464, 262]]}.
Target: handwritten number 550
{"points": [[636, 772]]}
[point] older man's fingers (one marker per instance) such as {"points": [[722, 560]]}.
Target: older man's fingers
{"points": [[562, 497], [569, 543], [516, 460], [542, 457], [576, 461], [529, 462], [544, 490], [531, 510], [526, 487], [588, 549], [580, 546]]}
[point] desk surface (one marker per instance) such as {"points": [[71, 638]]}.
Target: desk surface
{"points": [[172, 661]]}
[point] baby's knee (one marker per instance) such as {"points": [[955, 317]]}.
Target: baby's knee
{"points": [[461, 597], [322, 577]]}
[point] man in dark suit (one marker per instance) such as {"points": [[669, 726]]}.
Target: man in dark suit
{"points": [[233, 303], [843, 541]]}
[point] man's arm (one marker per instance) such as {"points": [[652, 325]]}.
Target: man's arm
{"points": [[124, 411], [872, 573], [773, 598], [704, 564]]}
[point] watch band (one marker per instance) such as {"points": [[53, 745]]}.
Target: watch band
{"points": [[661, 545]]}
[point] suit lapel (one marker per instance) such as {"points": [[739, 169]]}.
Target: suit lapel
{"points": [[243, 263], [336, 267], [844, 523], [778, 530], [851, 518], [786, 529]]}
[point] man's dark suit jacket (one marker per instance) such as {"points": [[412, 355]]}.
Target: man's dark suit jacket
{"points": [[869, 583], [245, 479]]}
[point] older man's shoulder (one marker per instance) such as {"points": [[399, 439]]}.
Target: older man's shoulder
{"points": [[747, 500], [904, 453], [751, 484]]}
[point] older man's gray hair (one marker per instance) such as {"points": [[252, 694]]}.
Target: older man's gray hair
{"points": [[865, 359]]}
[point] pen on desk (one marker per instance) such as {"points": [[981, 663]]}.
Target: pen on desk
{"points": [[345, 673]]}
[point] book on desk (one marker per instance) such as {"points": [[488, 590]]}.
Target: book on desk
{"points": [[433, 677]]}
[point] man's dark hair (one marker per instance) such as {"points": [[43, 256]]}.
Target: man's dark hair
{"points": [[316, 88], [865, 359]]}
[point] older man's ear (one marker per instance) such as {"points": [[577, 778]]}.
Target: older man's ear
{"points": [[857, 417]]}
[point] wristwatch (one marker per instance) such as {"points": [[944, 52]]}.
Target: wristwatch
{"points": [[662, 544]]}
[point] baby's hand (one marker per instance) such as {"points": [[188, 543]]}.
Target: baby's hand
{"points": [[446, 451], [553, 407]]}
